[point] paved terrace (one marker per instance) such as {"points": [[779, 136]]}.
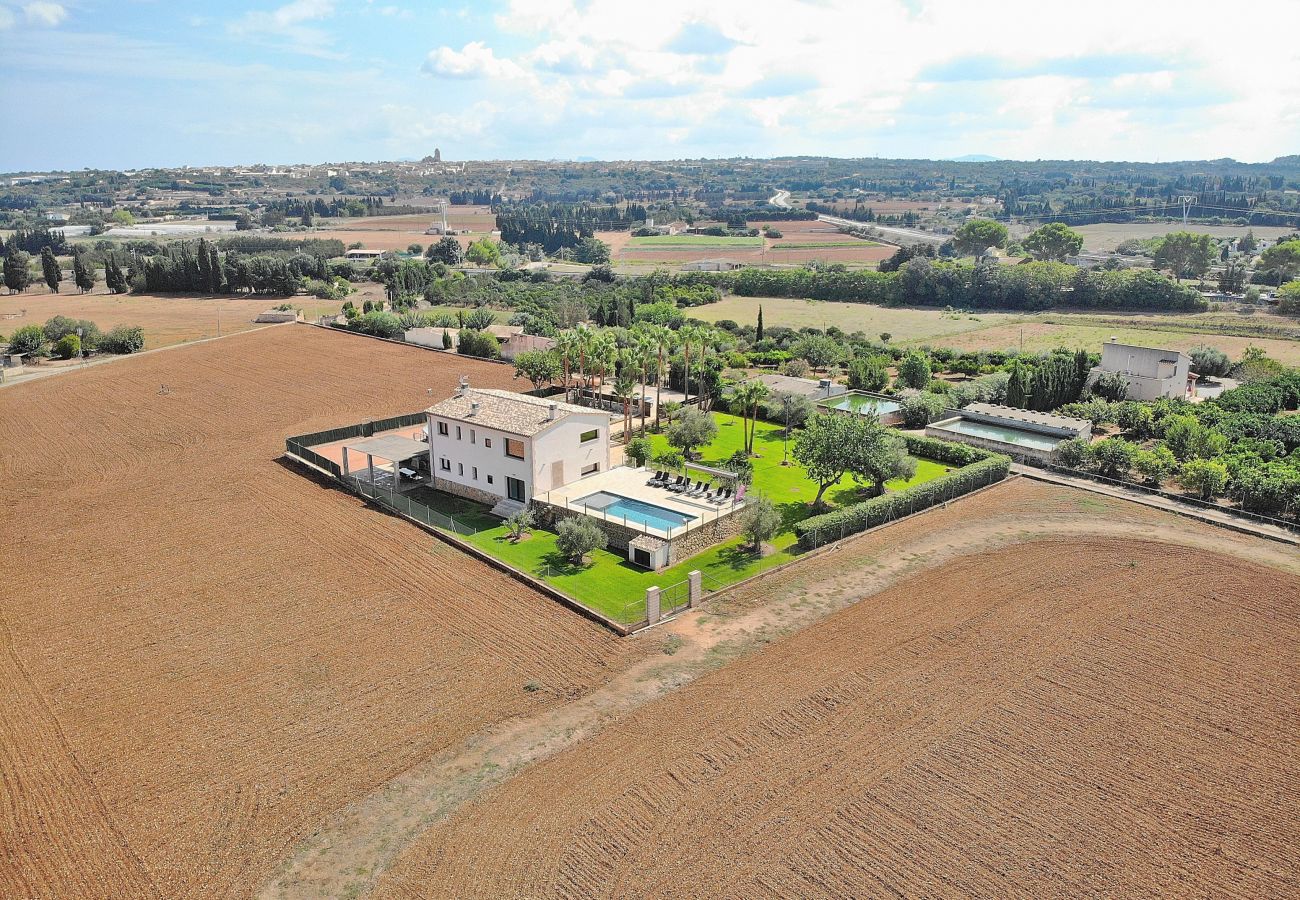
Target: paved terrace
{"points": [[626, 481]]}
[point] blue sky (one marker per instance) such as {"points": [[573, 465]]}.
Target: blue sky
{"points": [[134, 83]]}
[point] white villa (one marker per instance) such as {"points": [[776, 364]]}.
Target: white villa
{"points": [[502, 447], [1150, 372]]}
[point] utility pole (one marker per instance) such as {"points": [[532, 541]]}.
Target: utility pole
{"points": [[1187, 205]]}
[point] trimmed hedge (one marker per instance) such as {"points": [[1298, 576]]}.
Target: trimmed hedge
{"points": [[981, 468]]}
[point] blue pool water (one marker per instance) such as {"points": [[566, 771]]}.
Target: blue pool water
{"points": [[635, 512]]}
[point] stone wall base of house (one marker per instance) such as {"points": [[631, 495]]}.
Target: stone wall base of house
{"points": [[469, 493]]}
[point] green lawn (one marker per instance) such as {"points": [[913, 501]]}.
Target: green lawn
{"points": [[690, 241], [614, 587]]}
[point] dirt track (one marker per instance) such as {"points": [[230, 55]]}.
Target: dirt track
{"points": [[1059, 717], [203, 653]]}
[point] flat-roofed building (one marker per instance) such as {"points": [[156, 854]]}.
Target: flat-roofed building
{"points": [[1149, 372]]}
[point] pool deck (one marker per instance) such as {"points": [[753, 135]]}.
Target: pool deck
{"points": [[629, 482]]}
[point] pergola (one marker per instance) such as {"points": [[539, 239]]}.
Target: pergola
{"points": [[391, 447]]}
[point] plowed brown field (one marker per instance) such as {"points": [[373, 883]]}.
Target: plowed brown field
{"points": [[1058, 718], [202, 652]]}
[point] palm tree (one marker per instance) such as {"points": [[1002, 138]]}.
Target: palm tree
{"points": [[748, 395], [687, 334], [643, 351], [566, 344], [624, 390], [584, 337], [602, 353], [663, 338]]}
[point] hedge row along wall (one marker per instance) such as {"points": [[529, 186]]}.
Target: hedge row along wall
{"points": [[978, 469]]}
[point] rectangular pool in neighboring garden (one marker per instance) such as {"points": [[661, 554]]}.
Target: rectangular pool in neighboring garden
{"points": [[863, 404], [633, 512], [1005, 433]]}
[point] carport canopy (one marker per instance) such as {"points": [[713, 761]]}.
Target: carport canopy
{"points": [[392, 447]]}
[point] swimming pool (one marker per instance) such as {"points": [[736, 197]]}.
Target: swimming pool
{"points": [[633, 512], [1004, 433], [863, 404]]}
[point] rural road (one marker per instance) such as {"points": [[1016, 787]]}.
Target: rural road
{"points": [[780, 199], [888, 231]]}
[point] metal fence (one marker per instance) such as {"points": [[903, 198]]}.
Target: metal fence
{"points": [[674, 598], [1177, 498], [361, 429], [403, 504], [302, 452]]}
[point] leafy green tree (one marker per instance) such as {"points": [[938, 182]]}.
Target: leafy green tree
{"points": [[446, 251], [1113, 457], [1282, 259], [1247, 244], [592, 251], [1288, 298], [832, 446], [821, 350], [577, 536], [1185, 255], [914, 370], [1232, 279], [51, 269], [1209, 361], [67, 347], [114, 280], [868, 373], [1075, 453], [1155, 465], [922, 409], [1054, 241], [1187, 438], [478, 319], [83, 275], [886, 459], [1205, 478], [123, 339], [18, 269], [484, 252], [520, 523], [760, 521], [541, 367], [639, 450], [691, 428], [29, 339], [977, 235], [478, 343]]}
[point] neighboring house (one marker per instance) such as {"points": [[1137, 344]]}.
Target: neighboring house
{"points": [[431, 337], [503, 448], [363, 255], [521, 343], [712, 265], [1151, 372], [812, 388]]}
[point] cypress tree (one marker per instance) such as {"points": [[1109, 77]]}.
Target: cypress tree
{"points": [[52, 270], [758, 331], [82, 274]]}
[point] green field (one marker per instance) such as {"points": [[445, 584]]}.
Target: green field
{"points": [[691, 242], [614, 587]]}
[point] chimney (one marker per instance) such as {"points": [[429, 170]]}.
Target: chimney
{"points": [[551, 410], [473, 408], [463, 388]]}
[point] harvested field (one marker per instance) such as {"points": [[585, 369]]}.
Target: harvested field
{"points": [[203, 653], [902, 323], [166, 320], [399, 232], [1078, 716], [1106, 236]]}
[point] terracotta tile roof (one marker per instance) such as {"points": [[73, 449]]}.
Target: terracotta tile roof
{"points": [[508, 411]]}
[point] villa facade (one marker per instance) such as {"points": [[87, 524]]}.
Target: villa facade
{"points": [[502, 447], [1149, 372]]}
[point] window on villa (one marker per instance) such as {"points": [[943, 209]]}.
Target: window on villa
{"points": [[444, 464], [460, 468], [489, 479], [487, 442], [442, 428], [475, 470], [589, 436], [471, 436], [591, 469], [514, 449], [457, 432]]}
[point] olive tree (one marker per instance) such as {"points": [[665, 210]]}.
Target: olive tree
{"points": [[577, 536]]}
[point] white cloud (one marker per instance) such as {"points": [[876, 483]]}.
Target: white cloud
{"points": [[289, 24], [48, 15], [474, 60], [6, 18]]}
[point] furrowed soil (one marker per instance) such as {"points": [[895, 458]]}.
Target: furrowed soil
{"points": [[203, 653], [1053, 716]]}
